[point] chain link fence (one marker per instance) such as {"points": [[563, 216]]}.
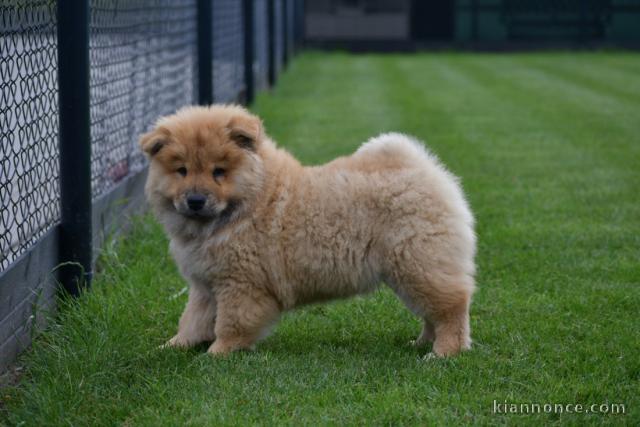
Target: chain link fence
{"points": [[261, 61], [143, 64], [228, 48], [145, 60], [29, 127]]}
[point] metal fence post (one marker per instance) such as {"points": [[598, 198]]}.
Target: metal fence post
{"points": [[247, 12], [298, 23], [474, 20], [75, 240], [584, 37], [285, 32], [205, 52], [271, 36]]}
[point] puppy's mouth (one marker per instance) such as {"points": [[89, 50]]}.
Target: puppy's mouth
{"points": [[199, 216], [222, 216]]}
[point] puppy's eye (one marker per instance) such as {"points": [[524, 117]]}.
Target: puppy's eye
{"points": [[182, 171], [219, 173]]}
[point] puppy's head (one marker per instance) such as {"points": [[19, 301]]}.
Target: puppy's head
{"points": [[204, 162]]}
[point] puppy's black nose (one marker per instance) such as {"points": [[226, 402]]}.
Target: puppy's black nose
{"points": [[196, 201]]}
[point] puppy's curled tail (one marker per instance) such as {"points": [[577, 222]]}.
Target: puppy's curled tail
{"points": [[401, 151]]}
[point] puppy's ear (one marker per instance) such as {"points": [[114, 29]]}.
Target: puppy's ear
{"points": [[246, 131], [152, 142]]}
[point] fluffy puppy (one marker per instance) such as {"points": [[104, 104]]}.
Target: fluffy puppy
{"points": [[255, 233]]}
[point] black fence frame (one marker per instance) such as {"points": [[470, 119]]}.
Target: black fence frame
{"points": [[64, 257]]}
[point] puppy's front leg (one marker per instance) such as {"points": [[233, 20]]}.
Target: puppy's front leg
{"points": [[197, 323], [245, 315]]}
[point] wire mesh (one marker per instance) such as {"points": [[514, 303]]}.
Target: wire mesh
{"points": [[143, 64], [29, 191], [261, 44], [228, 45]]}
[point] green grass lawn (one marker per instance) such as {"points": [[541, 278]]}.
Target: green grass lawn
{"points": [[548, 148]]}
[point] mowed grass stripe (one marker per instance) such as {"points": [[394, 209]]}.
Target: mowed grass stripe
{"points": [[599, 118], [595, 75], [589, 144]]}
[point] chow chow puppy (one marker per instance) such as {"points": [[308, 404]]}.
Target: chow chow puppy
{"points": [[255, 233]]}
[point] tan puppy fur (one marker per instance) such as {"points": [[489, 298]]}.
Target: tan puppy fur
{"points": [[255, 233]]}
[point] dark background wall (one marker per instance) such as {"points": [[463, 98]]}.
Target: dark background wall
{"points": [[414, 22]]}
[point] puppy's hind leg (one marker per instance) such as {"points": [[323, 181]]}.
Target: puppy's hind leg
{"points": [[451, 319], [444, 306], [197, 323]]}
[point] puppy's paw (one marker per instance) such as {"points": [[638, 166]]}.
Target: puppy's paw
{"points": [[430, 356], [218, 349], [223, 348], [176, 342]]}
